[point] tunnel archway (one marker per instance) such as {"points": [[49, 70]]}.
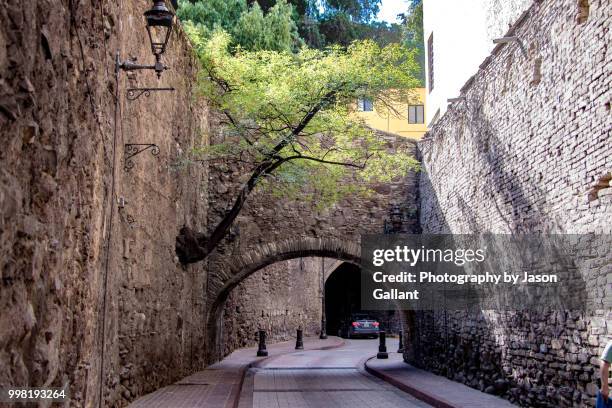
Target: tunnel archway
{"points": [[245, 264], [342, 296], [343, 299]]}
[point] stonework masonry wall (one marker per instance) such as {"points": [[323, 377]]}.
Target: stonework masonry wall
{"points": [[528, 151], [501, 14], [123, 321], [279, 299], [92, 294], [282, 289], [265, 218]]}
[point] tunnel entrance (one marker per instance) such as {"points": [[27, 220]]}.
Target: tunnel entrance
{"points": [[343, 298]]}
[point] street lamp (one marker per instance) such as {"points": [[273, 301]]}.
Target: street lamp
{"points": [[396, 218], [159, 27]]}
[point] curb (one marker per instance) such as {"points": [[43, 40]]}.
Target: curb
{"points": [[426, 397]]}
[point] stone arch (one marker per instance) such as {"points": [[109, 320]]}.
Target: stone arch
{"points": [[239, 267]]}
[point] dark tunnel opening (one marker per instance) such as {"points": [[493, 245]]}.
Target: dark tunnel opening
{"points": [[343, 299]]}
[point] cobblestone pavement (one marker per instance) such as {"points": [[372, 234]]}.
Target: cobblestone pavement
{"points": [[322, 378]]}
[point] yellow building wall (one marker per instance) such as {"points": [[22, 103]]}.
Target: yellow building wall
{"points": [[383, 119]]}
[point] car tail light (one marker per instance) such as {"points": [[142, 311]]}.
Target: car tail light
{"points": [[375, 324], [355, 324]]}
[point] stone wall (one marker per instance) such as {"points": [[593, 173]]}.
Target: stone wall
{"points": [[500, 14], [279, 299], [528, 150], [92, 296], [277, 289], [266, 218]]}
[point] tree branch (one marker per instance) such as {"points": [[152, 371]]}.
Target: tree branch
{"points": [[205, 245], [337, 163]]}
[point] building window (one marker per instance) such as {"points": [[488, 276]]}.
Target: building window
{"points": [[416, 114], [365, 105], [430, 62]]}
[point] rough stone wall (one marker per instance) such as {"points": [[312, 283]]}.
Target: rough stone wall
{"points": [[279, 299], [266, 219], [528, 150], [62, 293], [501, 14], [282, 297]]}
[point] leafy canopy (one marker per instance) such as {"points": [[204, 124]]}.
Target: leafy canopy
{"points": [[250, 28], [413, 33], [290, 117], [283, 25], [358, 10], [339, 28]]}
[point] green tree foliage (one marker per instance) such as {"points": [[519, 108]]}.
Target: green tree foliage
{"points": [[344, 21], [210, 15], [301, 7], [250, 28], [266, 24], [413, 33], [339, 28], [289, 118], [362, 11]]}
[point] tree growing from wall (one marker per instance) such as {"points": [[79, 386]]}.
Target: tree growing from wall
{"points": [[289, 119]]}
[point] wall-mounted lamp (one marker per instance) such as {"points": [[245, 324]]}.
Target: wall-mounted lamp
{"points": [[395, 221], [513, 39], [458, 99], [159, 27]]}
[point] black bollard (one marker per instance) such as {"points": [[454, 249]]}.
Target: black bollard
{"points": [[299, 341], [261, 350], [382, 348], [401, 342]]}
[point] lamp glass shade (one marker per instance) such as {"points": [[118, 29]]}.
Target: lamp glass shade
{"points": [[159, 26], [396, 214]]}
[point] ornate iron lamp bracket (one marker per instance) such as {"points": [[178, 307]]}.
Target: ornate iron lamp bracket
{"points": [[135, 93], [132, 149]]}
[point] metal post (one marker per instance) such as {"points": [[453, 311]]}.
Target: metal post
{"points": [[382, 348], [401, 342], [299, 342], [323, 322], [261, 350]]}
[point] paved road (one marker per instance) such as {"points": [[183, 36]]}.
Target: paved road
{"points": [[323, 378]]}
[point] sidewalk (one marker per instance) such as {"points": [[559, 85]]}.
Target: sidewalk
{"points": [[437, 391], [218, 386]]}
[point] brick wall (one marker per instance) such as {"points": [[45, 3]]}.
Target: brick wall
{"points": [[528, 150]]}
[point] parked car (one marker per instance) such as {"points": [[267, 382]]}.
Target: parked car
{"points": [[359, 325]]}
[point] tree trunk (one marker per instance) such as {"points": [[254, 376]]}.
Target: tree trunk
{"points": [[194, 246]]}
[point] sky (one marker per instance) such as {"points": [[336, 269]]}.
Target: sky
{"points": [[389, 9]]}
